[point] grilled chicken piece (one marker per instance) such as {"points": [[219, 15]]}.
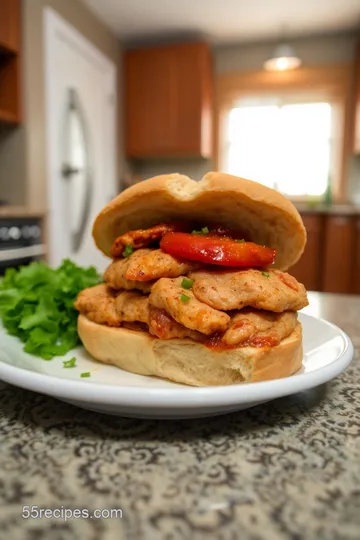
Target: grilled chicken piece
{"points": [[132, 306], [259, 328], [155, 264], [98, 304], [164, 327], [115, 274], [129, 309], [166, 294], [144, 237], [227, 290]]}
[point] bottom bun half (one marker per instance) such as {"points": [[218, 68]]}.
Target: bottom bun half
{"points": [[188, 362]]}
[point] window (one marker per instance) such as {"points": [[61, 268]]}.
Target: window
{"points": [[285, 144], [289, 130]]}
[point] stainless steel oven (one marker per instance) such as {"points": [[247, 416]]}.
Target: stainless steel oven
{"points": [[21, 242]]}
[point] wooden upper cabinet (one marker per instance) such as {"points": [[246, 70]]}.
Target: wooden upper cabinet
{"points": [[10, 25], [10, 62], [168, 101], [356, 141], [308, 269], [339, 254]]}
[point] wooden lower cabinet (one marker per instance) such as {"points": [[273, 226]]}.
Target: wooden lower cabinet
{"points": [[339, 252], [331, 260], [356, 259], [309, 268]]}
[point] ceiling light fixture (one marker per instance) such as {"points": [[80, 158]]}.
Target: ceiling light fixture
{"points": [[282, 59]]}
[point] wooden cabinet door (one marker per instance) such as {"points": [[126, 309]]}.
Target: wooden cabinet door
{"points": [[193, 105], [356, 141], [150, 94], [308, 269], [338, 255], [10, 25], [168, 101], [356, 259]]}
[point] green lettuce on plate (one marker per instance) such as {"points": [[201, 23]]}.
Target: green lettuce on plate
{"points": [[37, 305]]}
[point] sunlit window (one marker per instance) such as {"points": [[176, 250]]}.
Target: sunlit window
{"points": [[285, 146]]}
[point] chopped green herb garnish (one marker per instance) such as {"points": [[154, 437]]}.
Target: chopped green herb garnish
{"points": [[238, 240], [204, 230], [127, 251], [184, 298], [187, 283], [266, 274], [70, 363], [85, 374]]}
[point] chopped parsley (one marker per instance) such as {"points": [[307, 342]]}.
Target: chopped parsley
{"points": [[85, 374], [187, 283], [204, 230], [184, 298], [70, 363], [127, 251], [266, 274], [237, 240]]}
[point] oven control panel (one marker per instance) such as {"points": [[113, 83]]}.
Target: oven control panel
{"points": [[19, 232]]}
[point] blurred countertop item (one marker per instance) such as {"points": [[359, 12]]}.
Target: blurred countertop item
{"points": [[20, 212]]}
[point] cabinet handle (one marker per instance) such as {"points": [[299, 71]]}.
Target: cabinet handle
{"points": [[67, 170]]}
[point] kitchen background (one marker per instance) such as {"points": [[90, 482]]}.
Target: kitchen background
{"points": [[98, 94]]}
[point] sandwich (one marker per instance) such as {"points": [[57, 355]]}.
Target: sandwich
{"points": [[197, 291]]}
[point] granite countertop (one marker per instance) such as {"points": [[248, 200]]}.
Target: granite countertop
{"points": [[317, 208], [288, 469], [343, 209]]}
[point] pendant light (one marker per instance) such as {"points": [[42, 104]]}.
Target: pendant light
{"points": [[283, 58]]}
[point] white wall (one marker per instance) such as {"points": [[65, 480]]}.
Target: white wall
{"points": [[314, 51]]}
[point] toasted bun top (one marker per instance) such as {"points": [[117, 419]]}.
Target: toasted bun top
{"points": [[263, 214]]}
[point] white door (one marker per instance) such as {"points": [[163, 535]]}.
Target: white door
{"points": [[80, 86]]}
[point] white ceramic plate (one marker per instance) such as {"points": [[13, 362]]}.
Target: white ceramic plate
{"points": [[327, 352]]}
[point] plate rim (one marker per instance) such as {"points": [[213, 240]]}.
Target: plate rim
{"points": [[178, 397]]}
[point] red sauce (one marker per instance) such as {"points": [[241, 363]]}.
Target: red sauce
{"points": [[160, 322], [262, 341], [135, 326], [288, 280], [215, 342], [141, 238]]}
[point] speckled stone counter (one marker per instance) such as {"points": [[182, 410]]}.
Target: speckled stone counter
{"points": [[289, 469]]}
